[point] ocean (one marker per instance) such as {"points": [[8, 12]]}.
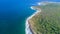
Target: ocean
{"points": [[13, 14]]}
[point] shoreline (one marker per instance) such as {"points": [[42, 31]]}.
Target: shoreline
{"points": [[28, 28], [38, 10]]}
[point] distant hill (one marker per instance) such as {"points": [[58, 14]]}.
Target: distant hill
{"points": [[47, 21]]}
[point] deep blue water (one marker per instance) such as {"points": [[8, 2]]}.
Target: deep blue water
{"points": [[13, 14]]}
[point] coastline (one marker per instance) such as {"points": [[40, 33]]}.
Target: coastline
{"points": [[28, 28], [38, 10]]}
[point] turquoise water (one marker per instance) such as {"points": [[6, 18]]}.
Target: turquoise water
{"points": [[12, 17]]}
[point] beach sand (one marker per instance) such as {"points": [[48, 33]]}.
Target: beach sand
{"points": [[29, 29]]}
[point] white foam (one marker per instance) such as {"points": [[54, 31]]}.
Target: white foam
{"points": [[27, 29]]}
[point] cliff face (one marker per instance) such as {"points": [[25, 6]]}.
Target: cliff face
{"points": [[47, 21]]}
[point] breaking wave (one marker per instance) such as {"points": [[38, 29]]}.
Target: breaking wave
{"points": [[27, 29]]}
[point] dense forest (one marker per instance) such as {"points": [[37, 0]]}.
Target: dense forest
{"points": [[48, 20]]}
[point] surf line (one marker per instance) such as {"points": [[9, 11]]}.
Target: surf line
{"points": [[27, 26]]}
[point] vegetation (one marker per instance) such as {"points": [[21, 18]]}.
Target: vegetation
{"points": [[48, 20]]}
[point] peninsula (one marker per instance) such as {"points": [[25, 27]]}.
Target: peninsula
{"points": [[47, 18]]}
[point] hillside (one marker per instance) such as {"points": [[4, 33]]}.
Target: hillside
{"points": [[47, 21]]}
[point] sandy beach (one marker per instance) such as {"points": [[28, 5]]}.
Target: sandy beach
{"points": [[28, 29]]}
